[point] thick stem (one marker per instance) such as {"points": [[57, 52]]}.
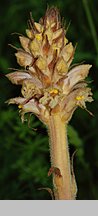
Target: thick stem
{"points": [[60, 161]]}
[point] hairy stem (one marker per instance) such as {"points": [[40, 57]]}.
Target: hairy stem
{"points": [[60, 162]]}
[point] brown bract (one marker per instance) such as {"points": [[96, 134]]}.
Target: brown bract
{"points": [[48, 83]]}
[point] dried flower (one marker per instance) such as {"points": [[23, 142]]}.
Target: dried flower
{"points": [[49, 84]]}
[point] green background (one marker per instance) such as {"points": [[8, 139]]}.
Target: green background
{"points": [[24, 152]]}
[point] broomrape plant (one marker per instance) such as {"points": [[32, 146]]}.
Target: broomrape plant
{"points": [[51, 89]]}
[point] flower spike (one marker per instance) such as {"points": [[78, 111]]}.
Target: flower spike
{"points": [[51, 88]]}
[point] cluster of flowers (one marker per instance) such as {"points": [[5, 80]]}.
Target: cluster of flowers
{"points": [[49, 83]]}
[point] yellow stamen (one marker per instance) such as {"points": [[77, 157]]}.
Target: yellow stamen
{"points": [[20, 106], [54, 91], [38, 37], [79, 97]]}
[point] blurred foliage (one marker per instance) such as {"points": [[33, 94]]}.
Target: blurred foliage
{"points": [[24, 151]]}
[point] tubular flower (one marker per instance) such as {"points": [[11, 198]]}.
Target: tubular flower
{"points": [[49, 85]]}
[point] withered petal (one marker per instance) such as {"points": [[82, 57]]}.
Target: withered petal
{"points": [[23, 58], [17, 100], [67, 53], [18, 77], [31, 106], [75, 75], [77, 97], [25, 43], [82, 69]]}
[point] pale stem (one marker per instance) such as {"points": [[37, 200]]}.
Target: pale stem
{"points": [[60, 161]]}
